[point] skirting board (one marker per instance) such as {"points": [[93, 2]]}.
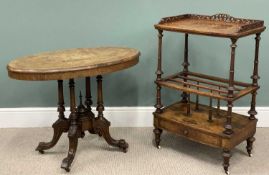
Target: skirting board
{"points": [[118, 116]]}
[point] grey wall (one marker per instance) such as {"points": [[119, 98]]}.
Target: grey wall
{"points": [[32, 26]]}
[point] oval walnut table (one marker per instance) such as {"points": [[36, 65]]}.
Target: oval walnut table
{"points": [[71, 64]]}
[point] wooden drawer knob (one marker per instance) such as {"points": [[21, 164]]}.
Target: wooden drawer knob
{"points": [[185, 132]]}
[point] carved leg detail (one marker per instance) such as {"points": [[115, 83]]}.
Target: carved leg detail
{"points": [[74, 131], [73, 142], [250, 145], [226, 159], [102, 128], [92, 118], [60, 126], [88, 102], [101, 125], [157, 133]]}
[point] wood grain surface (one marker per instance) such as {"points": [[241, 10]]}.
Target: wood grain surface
{"points": [[72, 63], [196, 126], [221, 25]]}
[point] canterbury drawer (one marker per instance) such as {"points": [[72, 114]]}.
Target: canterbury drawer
{"points": [[190, 133]]}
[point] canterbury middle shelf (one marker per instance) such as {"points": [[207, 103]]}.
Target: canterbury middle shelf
{"points": [[206, 85]]}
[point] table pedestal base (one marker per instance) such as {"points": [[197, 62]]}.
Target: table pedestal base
{"points": [[80, 120]]}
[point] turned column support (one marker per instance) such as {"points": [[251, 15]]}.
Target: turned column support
{"points": [[159, 73], [61, 107], [255, 77], [185, 65], [74, 131], [73, 116], [60, 126], [88, 101], [100, 103], [231, 72], [228, 125], [101, 124]]}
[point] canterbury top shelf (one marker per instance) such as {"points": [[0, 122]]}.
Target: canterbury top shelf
{"points": [[220, 25]]}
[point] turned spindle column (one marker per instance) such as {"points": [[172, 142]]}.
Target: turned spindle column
{"points": [[210, 111], [159, 73], [73, 116], [60, 126], [101, 124], [188, 104], [228, 125], [61, 107], [255, 77], [197, 99], [74, 130], [100, 104], [185, 65], [218, 104], [88, 101]]}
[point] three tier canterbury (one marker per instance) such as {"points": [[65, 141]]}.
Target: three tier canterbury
{"points": [[204, 123]]}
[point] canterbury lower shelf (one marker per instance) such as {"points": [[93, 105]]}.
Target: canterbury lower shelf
{"points": [[197, 127]]}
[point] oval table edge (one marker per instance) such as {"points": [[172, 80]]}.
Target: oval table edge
{"points": [[63, 75]]}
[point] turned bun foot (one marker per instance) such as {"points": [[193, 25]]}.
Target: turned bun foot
{"points": [[226, 159], [250, 145], [157, 133]]}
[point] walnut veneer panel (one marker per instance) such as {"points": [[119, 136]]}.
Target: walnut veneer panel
{"points": [[72, 63], [198, 120]]}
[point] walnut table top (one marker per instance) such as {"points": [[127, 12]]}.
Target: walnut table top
{"points": [[72, 63]]}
